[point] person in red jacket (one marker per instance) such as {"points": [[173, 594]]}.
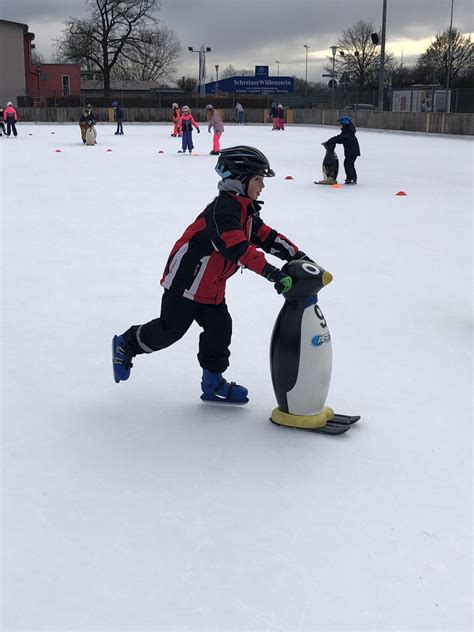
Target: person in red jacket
{"points": [[176, 115], [227, 235], [10, 118]]}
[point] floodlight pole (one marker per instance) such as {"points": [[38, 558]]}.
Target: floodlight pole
{"points": [[333, 50], [450, 53], [382, 55]]}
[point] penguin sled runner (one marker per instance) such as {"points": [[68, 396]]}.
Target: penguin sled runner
{"points": [[301, 356]]}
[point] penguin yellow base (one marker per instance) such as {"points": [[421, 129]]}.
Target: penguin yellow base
{"points": [[302, 421]]}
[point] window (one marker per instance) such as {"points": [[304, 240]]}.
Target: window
{"points": [[66, 82]]}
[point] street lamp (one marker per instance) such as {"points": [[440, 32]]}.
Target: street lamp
{"points": [[216, 66], [333, 51], [450, 59], [202, 67], [278, 65], [382, 55], [306, 71]]}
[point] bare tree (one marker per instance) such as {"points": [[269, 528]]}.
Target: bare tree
{"points": [[187, 84], [230, 71], [36, 57], [450, 48], [153, 59], [361, 57], [111, 32]]}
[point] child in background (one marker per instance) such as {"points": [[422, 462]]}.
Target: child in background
{"points": [[10, 118], [273, 114], [119, 116], [186, 124], [347, 137], [87, 120], [2, 124], [176, 115], [281, 117], [214, 122]]}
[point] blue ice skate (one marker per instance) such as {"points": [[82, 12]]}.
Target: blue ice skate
{"points": [[121, 359], [216, 389]]}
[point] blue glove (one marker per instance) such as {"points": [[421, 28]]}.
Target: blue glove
{"points": [[282, 282]]}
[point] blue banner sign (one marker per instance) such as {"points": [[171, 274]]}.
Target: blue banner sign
{"points": [[253, 85]]}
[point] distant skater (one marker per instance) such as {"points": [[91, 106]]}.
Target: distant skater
{"points": [[214, 122], [119, 116], [176, 115], [186, 124], [10, 117]]}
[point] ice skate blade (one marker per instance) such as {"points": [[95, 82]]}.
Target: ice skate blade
{"points": [[214, 399]]}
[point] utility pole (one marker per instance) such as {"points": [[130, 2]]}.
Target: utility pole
{"points": [[333, 50], [382, 55], [202, 67], [450, 53], [306, 72], [278, 66]]}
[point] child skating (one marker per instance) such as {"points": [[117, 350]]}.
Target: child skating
{"points": [[229, 234], [214, 122], [175, 115], [347, 137], [186, 124]]}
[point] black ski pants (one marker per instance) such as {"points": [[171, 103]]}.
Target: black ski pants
{"points": [[177, 315], [11, 126], [349, 167]]}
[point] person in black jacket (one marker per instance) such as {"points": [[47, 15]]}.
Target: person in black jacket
{"points": [[119, 116], [227, 235], [347, 137]]}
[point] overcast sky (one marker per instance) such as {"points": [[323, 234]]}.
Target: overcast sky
{"points": [[246, 33]]}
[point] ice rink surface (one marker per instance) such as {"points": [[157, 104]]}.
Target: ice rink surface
{"points": [[135, 506]]}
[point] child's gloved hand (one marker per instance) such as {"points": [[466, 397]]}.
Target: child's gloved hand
{"points": [[198, 130], [209, 130], [302, 256], [282, 282]]}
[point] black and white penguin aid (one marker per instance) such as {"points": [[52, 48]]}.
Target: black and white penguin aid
{"points": [[330, 165], [301, 355]]}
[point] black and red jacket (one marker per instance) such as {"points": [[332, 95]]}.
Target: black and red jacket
{"points": [[224, 237]]}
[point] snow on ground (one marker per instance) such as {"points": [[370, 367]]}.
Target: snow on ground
{"points": [[135, 506]]}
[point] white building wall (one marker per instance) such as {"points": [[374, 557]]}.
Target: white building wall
{"points": [[12, 67]]}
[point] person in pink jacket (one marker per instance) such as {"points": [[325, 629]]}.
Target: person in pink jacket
{"points": [[186, 123], [10, 118], [214, 121]]}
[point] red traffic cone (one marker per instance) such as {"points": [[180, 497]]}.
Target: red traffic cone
{"points": [[289, 178], [401, 193]]}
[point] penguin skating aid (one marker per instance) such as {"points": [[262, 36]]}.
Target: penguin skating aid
{"points": [[301, 356]]}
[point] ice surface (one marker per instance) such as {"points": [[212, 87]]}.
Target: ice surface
{"points": [[137, 507]]}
